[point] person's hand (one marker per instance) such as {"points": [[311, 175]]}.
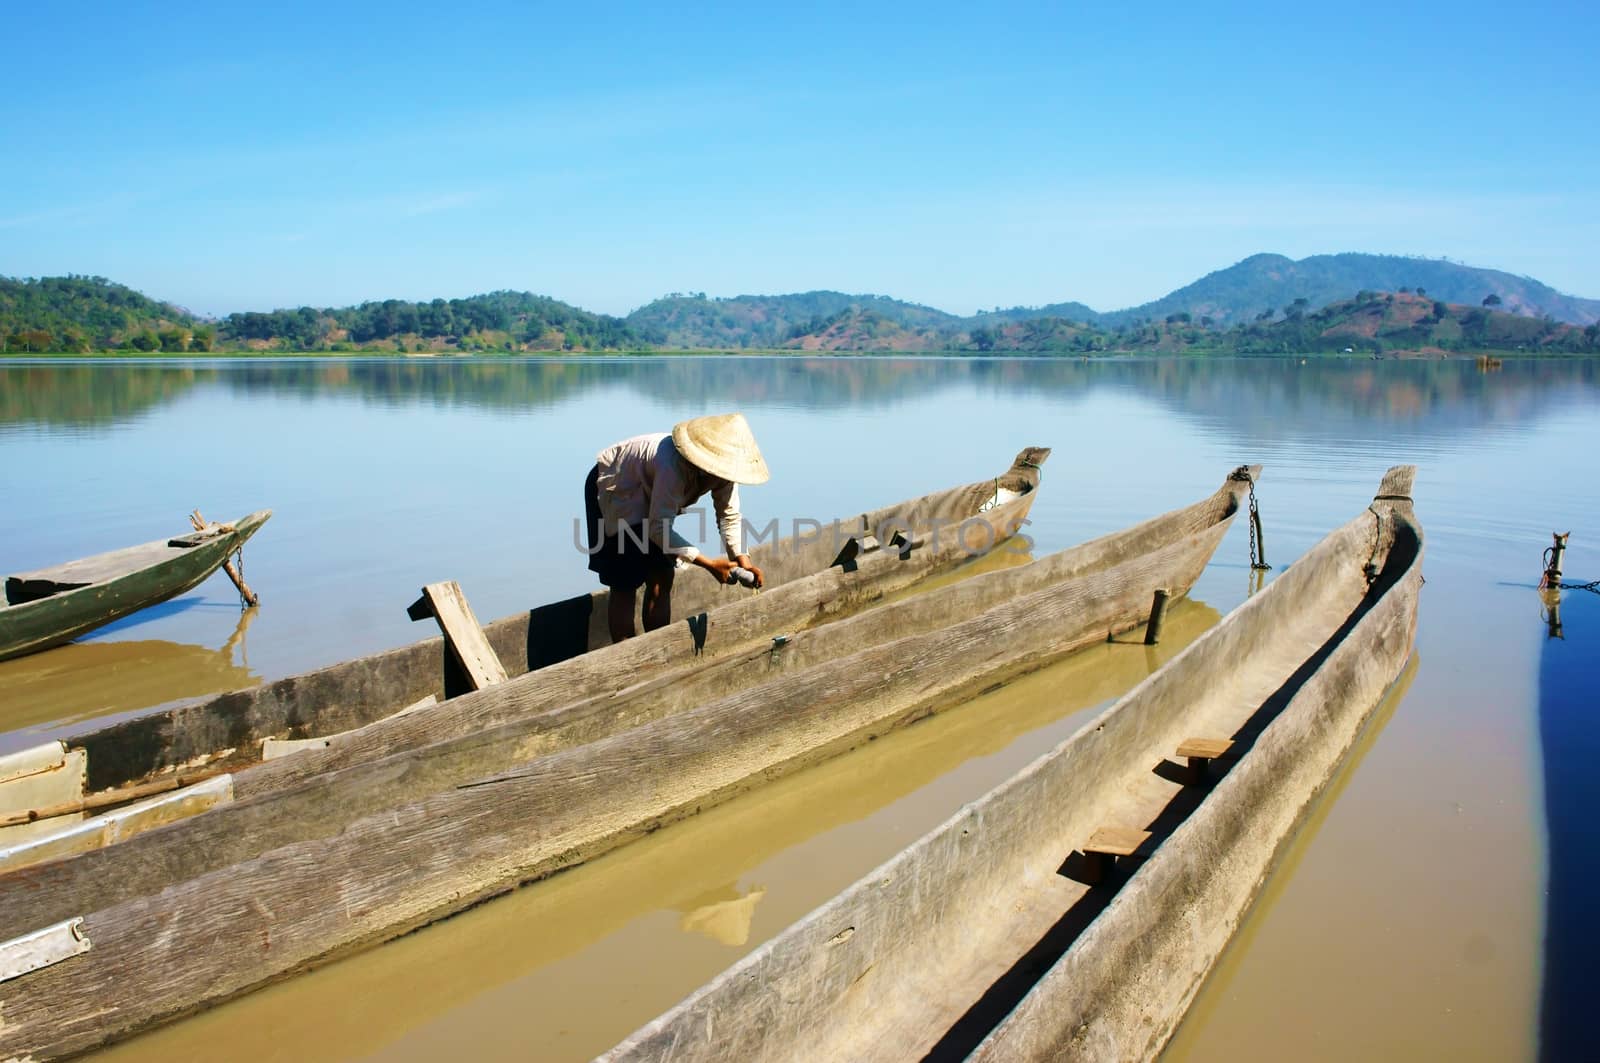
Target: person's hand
{"points": [[719, 567], [745, 562]]}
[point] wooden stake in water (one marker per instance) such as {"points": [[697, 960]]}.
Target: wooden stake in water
{"points": [[1158, 613], [1553, 559], [249, 596]]}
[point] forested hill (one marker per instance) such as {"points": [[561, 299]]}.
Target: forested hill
{"points": [[1255, 289], [1263, 303], [1370, 323], [88, 313], [509, 321], [77, 314], [693, 320], [1263, 282]]}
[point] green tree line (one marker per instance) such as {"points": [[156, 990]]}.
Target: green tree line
{"points": [[77, 314], [81, 314]]}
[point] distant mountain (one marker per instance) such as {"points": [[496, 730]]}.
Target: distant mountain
{"points": [[1230, 310], [1077, 312], [770, 321], [858, 328], [1272, 282], [1260, 285], [1400, 321]]}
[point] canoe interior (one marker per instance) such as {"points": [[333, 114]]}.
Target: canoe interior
{"points": [[51, 606], [1124, 986], [928, 954], [229, 728]]}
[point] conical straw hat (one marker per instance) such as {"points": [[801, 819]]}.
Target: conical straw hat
{"points": [[723, 446]]}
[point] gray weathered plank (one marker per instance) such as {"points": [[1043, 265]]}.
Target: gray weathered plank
{"points": [[463, 635]]}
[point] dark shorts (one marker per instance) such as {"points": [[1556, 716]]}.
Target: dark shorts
{"points": [[623, 562]]}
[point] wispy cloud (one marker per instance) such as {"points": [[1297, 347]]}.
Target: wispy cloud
{"points": [[62, 215], [439, 203]]}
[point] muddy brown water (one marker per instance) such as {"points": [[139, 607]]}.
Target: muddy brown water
{"points": [[1406, 920], [568, 967]]}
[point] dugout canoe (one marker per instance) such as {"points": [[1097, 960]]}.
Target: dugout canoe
{"points": [[812, 578], [49, 606], [215, 905], [983, 938], [819, 572]]}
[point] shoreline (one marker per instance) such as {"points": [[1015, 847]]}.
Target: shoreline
{"points": [[717, 352]]}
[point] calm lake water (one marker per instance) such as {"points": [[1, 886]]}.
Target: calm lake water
{"points": [[1409, 919]]}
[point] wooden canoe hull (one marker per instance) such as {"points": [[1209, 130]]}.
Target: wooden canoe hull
{"points": [[560, 640], [46, 622], [321, 792], [929, 953], [385, 872]]}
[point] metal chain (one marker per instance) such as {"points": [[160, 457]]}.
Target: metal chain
{"points": [[1549, 553], [244, 603], [1257, 562]]}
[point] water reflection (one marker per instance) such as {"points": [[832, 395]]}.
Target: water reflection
{"points": [[389, 475], [565, 968], [723, 914], [1273, 396], [1275, 1017], [1571, 743], [47, 694]]}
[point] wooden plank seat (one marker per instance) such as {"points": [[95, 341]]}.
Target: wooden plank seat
{"points": [[1200, 753], [1105, 845]]}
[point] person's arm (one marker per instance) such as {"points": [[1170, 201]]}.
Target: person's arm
{"points": [[668, 497], [730, 522]]}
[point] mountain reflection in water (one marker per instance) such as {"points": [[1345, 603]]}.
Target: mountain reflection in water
{"points": [[1273, 394]]}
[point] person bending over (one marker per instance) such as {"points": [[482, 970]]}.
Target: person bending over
{"points": [[635, 490]]}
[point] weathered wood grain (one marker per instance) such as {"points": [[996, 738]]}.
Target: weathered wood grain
{"points": [[226, 730], [317, 793], [896, 965], [466, 639], [206, 938]]}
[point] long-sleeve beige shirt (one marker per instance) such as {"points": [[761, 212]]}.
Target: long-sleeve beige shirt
{"points": [[645, 479]]}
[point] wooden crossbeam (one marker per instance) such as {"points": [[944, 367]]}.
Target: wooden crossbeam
{"points": [[1116, 841], [1201, 752], [1105, 845], [447, 604]]}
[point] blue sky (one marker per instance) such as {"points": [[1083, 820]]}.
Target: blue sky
{"points": [[233, 157]]}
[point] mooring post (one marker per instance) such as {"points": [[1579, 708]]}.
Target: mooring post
{"points": [[1158, 612], [250, 597], [1553, 558]]}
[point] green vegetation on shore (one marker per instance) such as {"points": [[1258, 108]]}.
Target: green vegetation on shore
{"points": [[83, 315]]}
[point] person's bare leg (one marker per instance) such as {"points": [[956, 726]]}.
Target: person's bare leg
{"points": [[619, 613], [658, 599]]}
